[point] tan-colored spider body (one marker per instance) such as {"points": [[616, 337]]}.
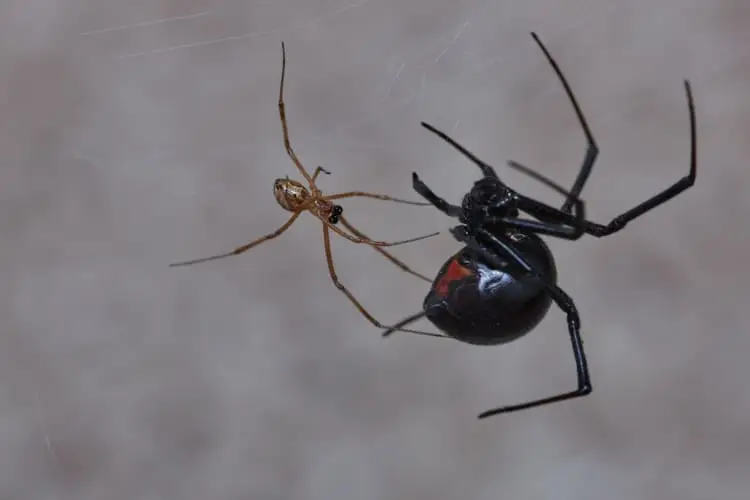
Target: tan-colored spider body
{"points": [[290, 194], [295, 197]]}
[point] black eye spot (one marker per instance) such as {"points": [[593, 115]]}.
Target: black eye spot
{"points": [[333, 219], [337, 210]]}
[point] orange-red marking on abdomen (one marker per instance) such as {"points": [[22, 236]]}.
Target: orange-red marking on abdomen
{"points": [[454, 271]]}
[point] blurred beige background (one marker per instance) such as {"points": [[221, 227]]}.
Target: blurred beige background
{"points": [[134, 134]]}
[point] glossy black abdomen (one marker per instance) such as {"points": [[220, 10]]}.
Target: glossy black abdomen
{"points": [[474, 302]]}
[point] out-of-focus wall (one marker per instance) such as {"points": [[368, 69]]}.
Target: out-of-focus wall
{"points": [[134, 134]]}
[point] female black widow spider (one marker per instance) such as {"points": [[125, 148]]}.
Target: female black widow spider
{"points": [[503, 282]]}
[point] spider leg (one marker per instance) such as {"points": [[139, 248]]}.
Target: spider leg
{"points": [[427, 193], [385, 254], [282, 114], [592, 151], [531, 226], [554, 222], [567, 305], [571, 197], [563, 301], [368, 241], [541, 178], [345, 291], [411, 319], [243, 248], [363, 194], [486, 169], [543, 212], [318, 171], [502, 243], [678, 187]]}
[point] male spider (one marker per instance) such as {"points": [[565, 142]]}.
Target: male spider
{"points": [[294, 197], [503, 282]]}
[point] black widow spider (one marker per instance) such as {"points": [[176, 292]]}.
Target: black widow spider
{"points": [[501, 284]]}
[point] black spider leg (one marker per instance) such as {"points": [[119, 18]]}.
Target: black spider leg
{"points": [[500, 245], [553, 222], [678, 187], [488, 171], [619, 222], [570, 227], [447, 208], [421, 188], [592, 150]]}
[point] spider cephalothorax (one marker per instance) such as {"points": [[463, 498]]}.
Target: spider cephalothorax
{"points": [[489, 197]]}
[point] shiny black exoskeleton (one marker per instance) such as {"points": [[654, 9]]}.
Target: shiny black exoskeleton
{"points": [[481, 303], [502, 283]]}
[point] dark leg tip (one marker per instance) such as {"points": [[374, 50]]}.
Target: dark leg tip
{"points": [[459, 233], [431, 128]]}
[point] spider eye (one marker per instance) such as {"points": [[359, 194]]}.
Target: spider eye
{"points": [[333, 219], [337, 210]]}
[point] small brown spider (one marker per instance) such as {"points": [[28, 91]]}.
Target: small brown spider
{"points": [[297, 198]]}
